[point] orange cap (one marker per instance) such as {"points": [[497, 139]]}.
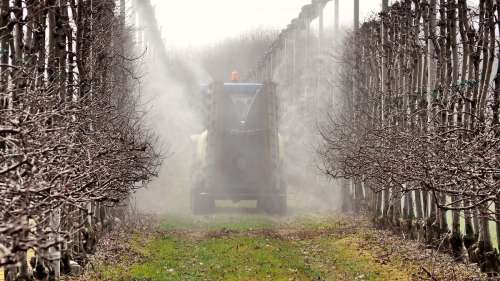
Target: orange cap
{"points": [[235, 76]]}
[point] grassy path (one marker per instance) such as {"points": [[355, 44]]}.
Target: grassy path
{"points": [[256, 247]]}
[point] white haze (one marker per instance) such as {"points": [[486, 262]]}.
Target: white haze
{"points": [[172, 117], [197, 23]]}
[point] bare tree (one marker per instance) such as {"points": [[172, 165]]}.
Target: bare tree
{"points": [[72, 144], [426, 136]]}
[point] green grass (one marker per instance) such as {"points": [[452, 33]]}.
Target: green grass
{"points": [[229, 258], [251, 255], [216, 222], [244, 246], [236, 258]]}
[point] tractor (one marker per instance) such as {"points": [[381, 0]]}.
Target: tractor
{"points": [[238, 155]]}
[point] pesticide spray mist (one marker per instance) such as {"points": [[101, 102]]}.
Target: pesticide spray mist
{"points": [[169, 91], [173, 118]]}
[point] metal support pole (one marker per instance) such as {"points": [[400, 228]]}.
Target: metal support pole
{"points": [[122, 12], [356, 14], [320, 27], [356, 183], [385, 5], [294, 61], [307, 50], [137, 24], [321, 7], [271, 67], [336, 17], [308, 40], [336, 30]]}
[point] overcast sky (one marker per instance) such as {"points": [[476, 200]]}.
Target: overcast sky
{"points": [[194, 23]]}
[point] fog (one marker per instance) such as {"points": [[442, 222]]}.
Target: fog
{"points": [[200, 22], [171, 116], [171, 101]]}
